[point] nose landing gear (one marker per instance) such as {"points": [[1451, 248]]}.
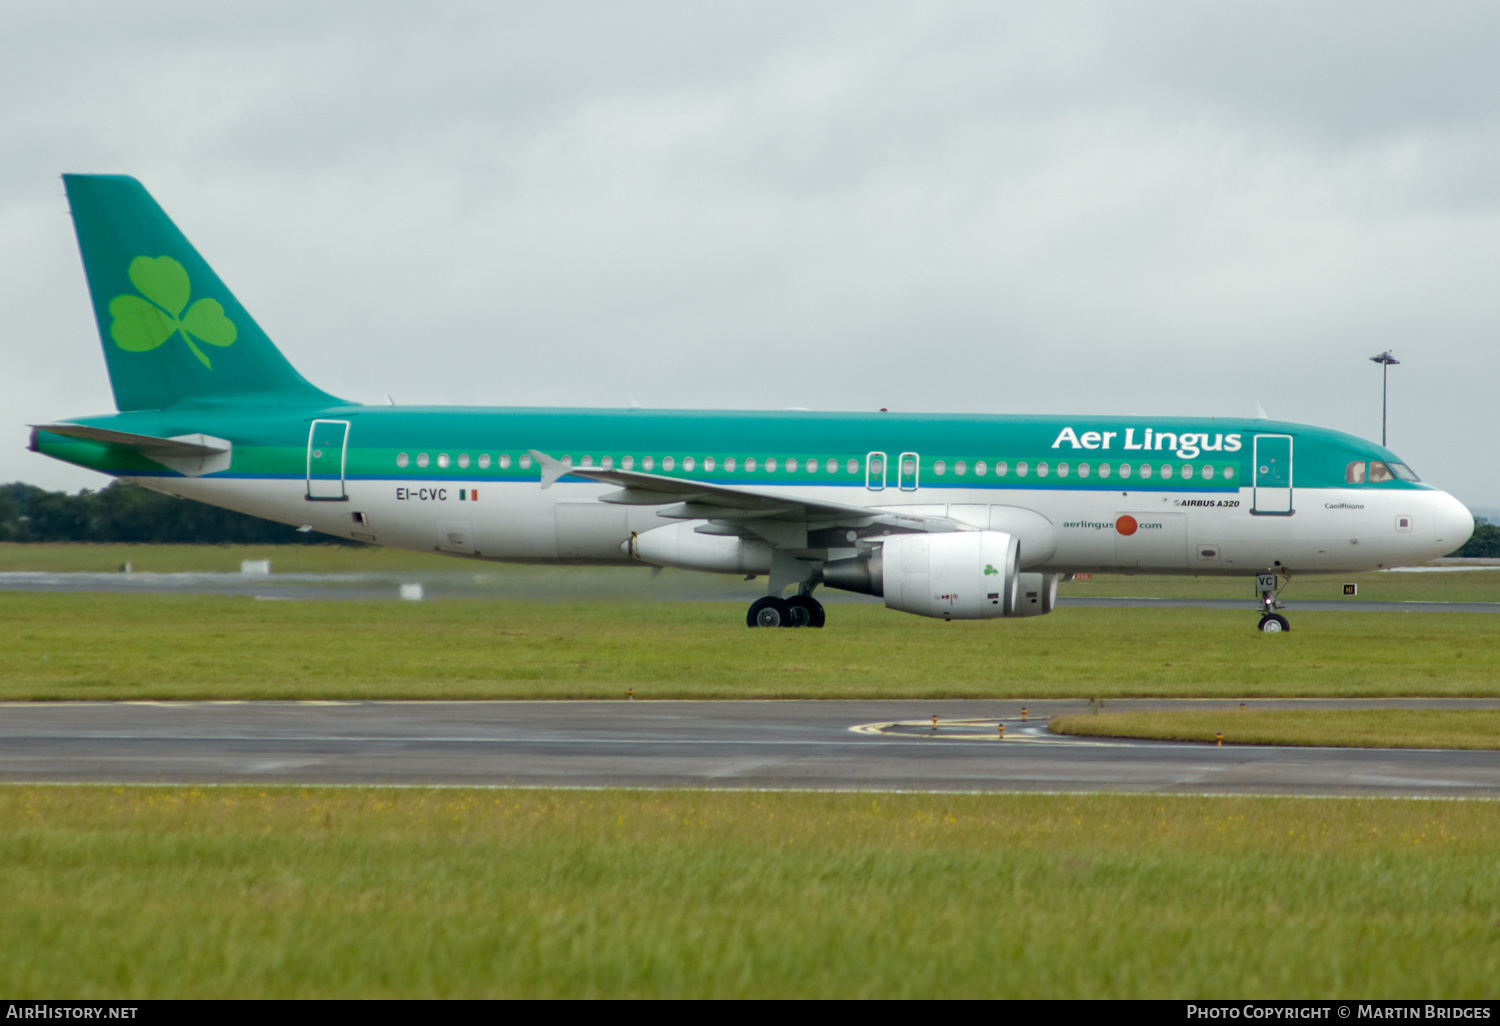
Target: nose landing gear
{"points": [[1271, 622]]}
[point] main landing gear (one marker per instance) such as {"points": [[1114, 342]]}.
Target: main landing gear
{"points": [[1271, 622], [775, 611]]}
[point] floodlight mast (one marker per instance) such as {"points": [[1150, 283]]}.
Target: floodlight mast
{"points": [[1385, 360]]}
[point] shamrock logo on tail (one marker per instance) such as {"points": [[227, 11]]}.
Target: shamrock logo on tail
{"points": [[989, 568], [141, 325]]}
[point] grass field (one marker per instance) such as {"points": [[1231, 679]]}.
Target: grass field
{"points": [[1359, 728], [76, 646], [246, 892]]}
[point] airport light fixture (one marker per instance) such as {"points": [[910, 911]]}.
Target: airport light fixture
{"points": [[1386, 360]]}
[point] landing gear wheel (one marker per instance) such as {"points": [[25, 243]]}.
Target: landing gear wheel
{"points": [[806, 611], [1274, 623], [770, 611]]}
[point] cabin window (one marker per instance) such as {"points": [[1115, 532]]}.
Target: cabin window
{"points": [[442, 459], [750, 464], [1187, 471], [463, 460], [1104, 470], [1062, 470], [791, 465], [1379, 472], [648, 462], [525, 461], [1166, 471], [1022, 468], [708, 464], [668, 463], [402, 459], [484, 461], [981, 468], [567, 461], [1228, 473], [688, 463], [729, 464], [1354, 473], [853, 466], [960, 468], [627, 462], [1124, 469], [1404, 472], [422, 459], [504, 461], [588, 461], [770, 464], [833, 466], [1041, 470], [1001, 468], [940, 468], [1083, 470]]}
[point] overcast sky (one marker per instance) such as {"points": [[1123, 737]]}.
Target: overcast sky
{"points": [[1171, 208]]}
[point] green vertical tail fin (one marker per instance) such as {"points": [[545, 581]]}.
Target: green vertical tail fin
{"points": [[171, 330]]}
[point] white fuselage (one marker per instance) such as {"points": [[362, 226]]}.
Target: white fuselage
{"points": [[1330, 530]]}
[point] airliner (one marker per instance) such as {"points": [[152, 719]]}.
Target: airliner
{"points": [[946, 516]]}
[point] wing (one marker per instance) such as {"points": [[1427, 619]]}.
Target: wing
{"points": [[786, 520]]}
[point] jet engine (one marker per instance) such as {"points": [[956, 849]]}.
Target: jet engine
{"points": [[966, 575]]}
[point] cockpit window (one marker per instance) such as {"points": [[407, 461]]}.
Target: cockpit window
{"points": [[1380, 472], [1404, 472], [1354, 473]]}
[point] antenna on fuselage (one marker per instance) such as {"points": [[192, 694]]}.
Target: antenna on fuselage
{"points": [[1260, 412]]}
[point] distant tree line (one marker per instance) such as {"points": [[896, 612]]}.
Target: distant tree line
{"points": [[124, 512], [1484, 544]]}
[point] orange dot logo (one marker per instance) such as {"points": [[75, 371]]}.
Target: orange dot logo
{"points": [[1126, 525]]}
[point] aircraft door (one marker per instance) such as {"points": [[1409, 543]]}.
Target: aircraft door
{"points": [[327, 451], [1273, 475], [906, 471], [875, 471]]}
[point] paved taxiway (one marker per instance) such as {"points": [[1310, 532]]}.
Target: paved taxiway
{"points": [[587, 584], [828, 744]]}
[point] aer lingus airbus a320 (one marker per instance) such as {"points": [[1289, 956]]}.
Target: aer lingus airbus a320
{"points": [[956, 517]]}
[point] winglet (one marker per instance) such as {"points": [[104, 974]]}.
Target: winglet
{"points": [[551, 469]]}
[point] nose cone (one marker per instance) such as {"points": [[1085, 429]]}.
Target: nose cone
{"points": [[1452, 524]]}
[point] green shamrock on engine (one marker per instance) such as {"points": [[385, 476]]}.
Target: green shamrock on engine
{"points": [[141, 325]]}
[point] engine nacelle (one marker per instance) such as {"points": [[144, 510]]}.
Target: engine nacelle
{"points": [[679, 546], [1036, 594], [966, 575]]}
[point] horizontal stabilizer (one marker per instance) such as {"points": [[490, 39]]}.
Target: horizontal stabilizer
{"points": [[189, 455]]}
